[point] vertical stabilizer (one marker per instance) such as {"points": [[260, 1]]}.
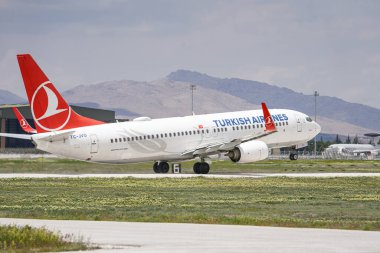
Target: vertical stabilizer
{"points": [[49, 109]]}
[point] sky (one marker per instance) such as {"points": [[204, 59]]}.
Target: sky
{"points": [[325, 45]]}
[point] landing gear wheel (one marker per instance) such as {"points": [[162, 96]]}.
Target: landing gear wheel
{"points": [[155, 167], [205, 168], [201, 168], [161, 167], [293, 157], [196, 168]]}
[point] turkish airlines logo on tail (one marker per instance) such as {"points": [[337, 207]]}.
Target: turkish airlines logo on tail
{"points": [[268, 120], [49, 110], [23, 123]]}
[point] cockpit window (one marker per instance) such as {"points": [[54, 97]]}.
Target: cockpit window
{"points": [[309, 119]]}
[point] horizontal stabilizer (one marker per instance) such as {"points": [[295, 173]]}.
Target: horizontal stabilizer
{"points": [[17, 136], [56, 137]]}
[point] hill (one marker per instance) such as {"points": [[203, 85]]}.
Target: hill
{"points": [[277, 97]]}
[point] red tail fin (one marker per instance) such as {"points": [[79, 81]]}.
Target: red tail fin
{"points": [[269, 124], [23, 123], [50, 111]]}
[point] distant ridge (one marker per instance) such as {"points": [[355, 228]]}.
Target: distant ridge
{"points": [[7, 97], [277, 97]]}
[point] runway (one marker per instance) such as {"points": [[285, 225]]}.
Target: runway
{"points": [[169, 175], [163, 237]]}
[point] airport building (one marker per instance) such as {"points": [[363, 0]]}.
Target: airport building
{"points": [[10, 124]]}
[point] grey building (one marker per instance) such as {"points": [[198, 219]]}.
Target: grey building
{"points": [[10, 124]]}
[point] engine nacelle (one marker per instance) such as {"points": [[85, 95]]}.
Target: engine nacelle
{"points": [[250, 151]]}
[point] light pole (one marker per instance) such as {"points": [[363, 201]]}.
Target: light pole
{"points": [[316, 94], [192, 88]]}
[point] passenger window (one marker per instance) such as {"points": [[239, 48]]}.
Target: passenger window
{"points": [[124, 139], [115, 139], [174, 134], [166, 135], [170, 134], [198, 131], [162, 136], [233, 128], [111, 140], [128, 139]]}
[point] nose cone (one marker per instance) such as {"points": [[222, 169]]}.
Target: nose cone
{"points": [[317, 128]]}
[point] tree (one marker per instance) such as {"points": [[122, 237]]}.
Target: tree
{"points": [[356, 140], [378, 143], [348, 140], [337, 139]]}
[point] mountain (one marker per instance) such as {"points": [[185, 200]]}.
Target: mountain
{"points": [[277, 97], [7, 97], [161, 98]]}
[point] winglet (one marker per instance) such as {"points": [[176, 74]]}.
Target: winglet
{"points": [[269, 124], [23, 123]]}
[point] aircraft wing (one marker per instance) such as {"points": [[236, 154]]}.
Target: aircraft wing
{"points": [[17, 136], [270, 128]]}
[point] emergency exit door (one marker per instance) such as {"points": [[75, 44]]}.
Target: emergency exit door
{"points": [[94, 143]]}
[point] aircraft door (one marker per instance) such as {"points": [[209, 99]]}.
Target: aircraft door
{"points": [[299, 125], [94, 143]]}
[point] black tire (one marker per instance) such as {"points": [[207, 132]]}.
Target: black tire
{"points": [[204, 168], [291, 157], [295, 157], [164, 167], [155, 168], [196, 168]]}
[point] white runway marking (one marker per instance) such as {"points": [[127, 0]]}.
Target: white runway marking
{"points": [[163, 237], [244, 175]]}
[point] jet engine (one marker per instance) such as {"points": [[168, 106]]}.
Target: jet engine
{"points": [[250, 151]]}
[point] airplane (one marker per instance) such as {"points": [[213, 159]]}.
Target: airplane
{"points": [[242, 136], [348, 150], [23, 123]]}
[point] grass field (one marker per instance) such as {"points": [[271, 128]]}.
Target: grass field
{"points": [[43, 165], [347, 203]]}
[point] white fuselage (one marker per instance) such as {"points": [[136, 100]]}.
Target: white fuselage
{"points": [[168, 139]]}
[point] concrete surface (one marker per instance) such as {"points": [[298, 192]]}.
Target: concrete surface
{"points": [[162, 237]]}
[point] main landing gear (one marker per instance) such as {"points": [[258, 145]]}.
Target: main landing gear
{"points": [[161, 167], [199, 167]]}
